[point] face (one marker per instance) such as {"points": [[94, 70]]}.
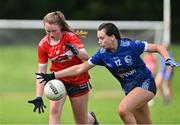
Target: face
{"points": [[53, 31], [105, 41]]}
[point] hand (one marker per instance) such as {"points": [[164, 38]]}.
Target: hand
{"points": [[72, 48], [38, 103], [171, 63], [45, 77]]}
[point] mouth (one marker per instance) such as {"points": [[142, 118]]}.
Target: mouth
{"points": [[102, 46]]}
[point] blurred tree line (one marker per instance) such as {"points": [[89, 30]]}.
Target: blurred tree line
{"points": [[92, 10]]}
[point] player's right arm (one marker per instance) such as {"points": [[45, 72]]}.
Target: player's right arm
{"points": [[71, 71], [74, 70], [42, 67], [38, 101]]}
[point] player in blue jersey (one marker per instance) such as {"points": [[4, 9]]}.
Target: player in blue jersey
{"points": [[121, 56]]}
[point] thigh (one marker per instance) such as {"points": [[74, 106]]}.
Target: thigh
{"points": [[56, 106], [142, 114], [136, 98], [80, 108], [78, 95]]}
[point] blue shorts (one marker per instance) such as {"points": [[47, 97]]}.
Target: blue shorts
{"points": [[74, 90], [147, 84]]}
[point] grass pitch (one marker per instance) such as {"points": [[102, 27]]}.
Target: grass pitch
{"points": [[17, 85]]}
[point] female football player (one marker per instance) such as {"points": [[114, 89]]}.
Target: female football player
{"points": [[121, 56], [64, 49]]}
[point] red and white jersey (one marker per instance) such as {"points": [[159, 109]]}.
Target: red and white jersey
{"points": [[58, 57]]}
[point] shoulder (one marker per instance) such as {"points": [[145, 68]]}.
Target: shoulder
{"points": [[101, 51], [125, 42], [69, 34], [43, 41], [131, 42]]}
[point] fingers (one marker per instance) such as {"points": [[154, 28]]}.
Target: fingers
{"points": [[39, 109], [39, 74], [72, 48], [31, 101], [42, 109], [177, 64], [44, 106], [41, 77], [173, 64], [38, 104], [42, 81], [35, 109]]}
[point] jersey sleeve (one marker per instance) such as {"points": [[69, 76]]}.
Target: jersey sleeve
{"points": [[73, 39], [139, 46], [96, 59], [42, 55]]}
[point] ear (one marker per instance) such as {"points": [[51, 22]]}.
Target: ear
{"points": [[113, 37]]}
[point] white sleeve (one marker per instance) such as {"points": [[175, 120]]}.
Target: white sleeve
{"points": [[145, 46], [89, 61]]}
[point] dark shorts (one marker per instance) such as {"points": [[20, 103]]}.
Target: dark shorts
{"points": [[147, 84], [77, 90]]}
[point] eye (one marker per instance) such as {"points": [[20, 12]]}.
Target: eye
{"points": [[53, 31], [47, 31]]}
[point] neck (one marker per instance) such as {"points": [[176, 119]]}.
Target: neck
{"points": [[54, 41], [114, 46]]}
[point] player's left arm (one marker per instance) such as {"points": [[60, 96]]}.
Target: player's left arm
{"points": [[83, 55], [79, 46], [164, 53], [159, 49]]}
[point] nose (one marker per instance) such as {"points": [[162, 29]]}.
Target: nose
{"points": [[99, 41], [51, 33]]}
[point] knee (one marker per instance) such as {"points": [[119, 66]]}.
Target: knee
{"points": [[123, 110], [54, 111]]}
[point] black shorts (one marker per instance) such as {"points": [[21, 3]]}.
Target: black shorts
{"points": [[77, 90]]}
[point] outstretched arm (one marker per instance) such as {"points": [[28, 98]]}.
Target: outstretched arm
{"points": [[164, 53], [71, 71], [74, 70], [160, 49]]}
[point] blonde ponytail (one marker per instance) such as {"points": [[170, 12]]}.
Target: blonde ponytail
{"points": [[81, 34]]}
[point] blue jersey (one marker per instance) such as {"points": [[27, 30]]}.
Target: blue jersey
{"points": [[125, 63]]}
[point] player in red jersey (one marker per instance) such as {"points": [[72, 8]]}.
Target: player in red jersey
{"points": [[64, 49]]}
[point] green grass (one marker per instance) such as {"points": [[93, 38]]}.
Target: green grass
{"points": [[17, 85]]}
